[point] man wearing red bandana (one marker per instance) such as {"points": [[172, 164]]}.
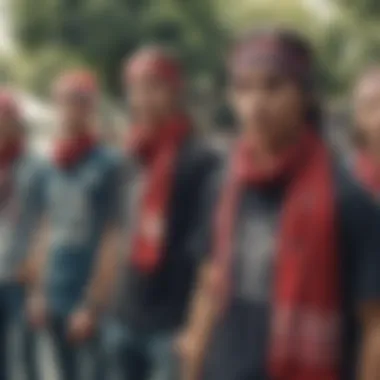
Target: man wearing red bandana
{"points": [[168, 166], [290, 290], [20, 206], [80, 191]]}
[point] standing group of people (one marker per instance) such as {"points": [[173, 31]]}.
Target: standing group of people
{"points": [[170, 260]]}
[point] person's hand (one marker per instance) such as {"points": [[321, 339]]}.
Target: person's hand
{"points": [[36, 310], [82, 324], [189, 350]]}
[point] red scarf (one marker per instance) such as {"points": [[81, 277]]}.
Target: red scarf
{"points": [[368, 172], [305, 330], [10, 153], [158, 152], [69, 151]]}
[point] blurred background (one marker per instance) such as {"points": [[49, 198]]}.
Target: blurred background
{"points": [[40, 38]]}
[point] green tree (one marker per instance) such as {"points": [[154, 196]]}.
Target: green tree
{"points": [[370, 9], [104, 31]]}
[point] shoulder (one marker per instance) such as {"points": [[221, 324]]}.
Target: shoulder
{"points": [[348, 189], [355, 204], [199, 157]]}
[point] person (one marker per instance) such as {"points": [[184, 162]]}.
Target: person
{"points": [[20, 199], [366, 160], [167, 166], [80, 189], [290, 289]]}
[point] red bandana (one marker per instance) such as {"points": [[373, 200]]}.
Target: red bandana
{"points": [[158, 153], [368, 172], [305, 332], [68, 152], [151, 62], [76, 85]]}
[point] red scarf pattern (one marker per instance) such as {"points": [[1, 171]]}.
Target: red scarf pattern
{"points": [[305, 331], [158, 152], [69, 151]]}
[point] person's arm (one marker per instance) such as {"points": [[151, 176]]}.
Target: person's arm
{"points": [[203, 314], [31, 210], [106, 264], [203, 307], [369, 366], [362, 237], [36, 307], [105, 270], [84, 319], [38, 254]]}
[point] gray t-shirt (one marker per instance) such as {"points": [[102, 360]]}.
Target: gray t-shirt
{"points": [[256, 246], [246, 325]]}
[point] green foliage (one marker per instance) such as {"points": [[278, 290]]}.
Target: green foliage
{"points": [[369, 9], [100, 33], [103, 32], [35, 71]]}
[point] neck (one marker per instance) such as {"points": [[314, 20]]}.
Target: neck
{"points": [[267, 149], [152, 126], [77, 132], [373, 152]]}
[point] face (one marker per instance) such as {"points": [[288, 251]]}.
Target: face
{"points": [[73, 114], [269, 106], [367, 108], [9, 130], [150, 99]]}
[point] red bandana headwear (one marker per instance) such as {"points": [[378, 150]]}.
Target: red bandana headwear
{"points": [[78, 84], [283, 50], [153, 62]]}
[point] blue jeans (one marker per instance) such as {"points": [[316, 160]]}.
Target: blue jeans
{"points": [[134, 356], [12, 318], [76, 362]]}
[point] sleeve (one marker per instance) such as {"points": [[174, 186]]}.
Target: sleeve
{"points": [[361, 236], [200, 238], [200, 243]]}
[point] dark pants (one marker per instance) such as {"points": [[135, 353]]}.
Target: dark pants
{"points": [[84, 362], [134, 356], [20, 348]]}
